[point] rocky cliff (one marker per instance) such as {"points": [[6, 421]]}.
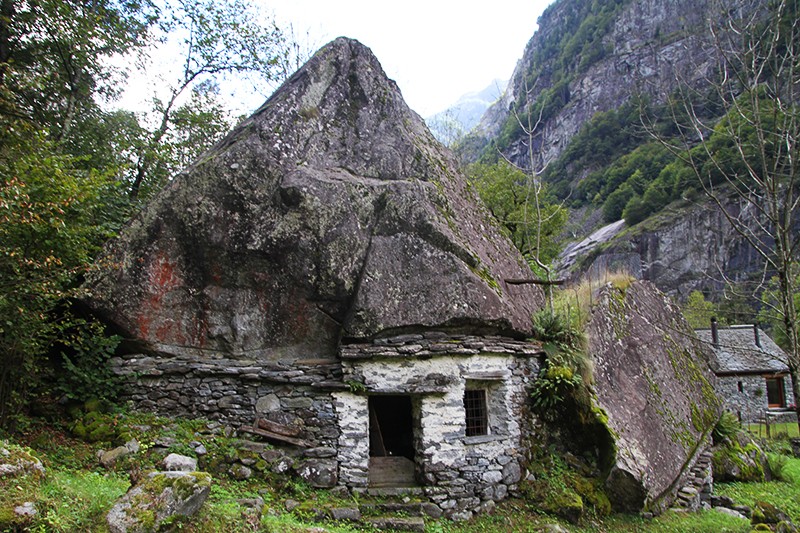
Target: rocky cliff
{"points": [[686, 247], [330, 213], [590, 57]]}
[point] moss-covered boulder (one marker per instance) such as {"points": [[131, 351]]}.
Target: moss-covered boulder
{"points": [[162, 500], [331, 213], [653, 380], [740, 459], [16, 461]]}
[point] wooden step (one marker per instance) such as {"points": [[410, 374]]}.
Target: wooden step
{"points": [[391, 471]]}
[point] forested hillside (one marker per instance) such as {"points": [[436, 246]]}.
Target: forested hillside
{"points": [[679, 118]]}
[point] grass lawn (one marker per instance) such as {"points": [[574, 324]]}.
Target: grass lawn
{"points": [[783, 494], [776, 430]]}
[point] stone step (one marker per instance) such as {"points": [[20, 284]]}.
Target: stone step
{"points": [[394, 491], [405, 509], [386, 523]]}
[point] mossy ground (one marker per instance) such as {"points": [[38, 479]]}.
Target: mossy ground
{"points": [[76, 493]]}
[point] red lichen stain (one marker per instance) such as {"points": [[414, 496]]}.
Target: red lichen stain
{"points": [[163, 278]]}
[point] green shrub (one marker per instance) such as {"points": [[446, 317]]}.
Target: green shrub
{"points": [[553, 386], [86, 373], [778, 466], [726, 428]]}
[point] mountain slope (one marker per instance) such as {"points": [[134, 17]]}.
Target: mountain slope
{"points": [[582, 85]]}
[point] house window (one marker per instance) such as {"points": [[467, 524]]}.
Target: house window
{"points": [[775, 397], [740, 386], [476, 413]]}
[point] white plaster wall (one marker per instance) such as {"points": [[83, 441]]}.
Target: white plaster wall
{"points": [[352, 411], [443, 447]]}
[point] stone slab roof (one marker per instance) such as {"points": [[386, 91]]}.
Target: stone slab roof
{"points": [[438, 343], [738, 353]]}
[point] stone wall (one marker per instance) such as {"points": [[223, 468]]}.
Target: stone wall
{"points": [[462, 475], [328, 402], [750, 404], [236, 391]]}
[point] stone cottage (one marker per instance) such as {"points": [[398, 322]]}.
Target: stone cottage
{"points": [[752, 376], [327, 270]]}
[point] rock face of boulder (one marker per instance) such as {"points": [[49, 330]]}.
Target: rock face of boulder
{"points": [[330, 213], [653, 380], [155, 503]]}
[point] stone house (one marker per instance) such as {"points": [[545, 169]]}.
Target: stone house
{"points": [[752, 377]]}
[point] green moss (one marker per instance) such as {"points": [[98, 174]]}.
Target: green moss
{"points": [[95, 426], [309, 113], [182, 486], [486, 276], [616, 307], [732, 454]]}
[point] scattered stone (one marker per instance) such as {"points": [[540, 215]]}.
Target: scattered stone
{"points": [[740, 460], [319, 473], [159, 498], [553, 528], [291, 505], [730, 512], [175, 462], [17, 461], [350, 514], [795, 446], [722, 501], [766, 513], [26, 509], [200, 450], [240, 472], [164, 442], [254, 503], [109, 458], [340, 491]]}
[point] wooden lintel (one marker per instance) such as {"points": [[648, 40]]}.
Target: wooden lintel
{"points": [[275, 437]]}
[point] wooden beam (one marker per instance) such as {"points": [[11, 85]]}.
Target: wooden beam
{"points": [[275, 437]]}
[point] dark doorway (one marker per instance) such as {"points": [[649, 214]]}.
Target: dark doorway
{"points": [[391, 426], [391, 442]]}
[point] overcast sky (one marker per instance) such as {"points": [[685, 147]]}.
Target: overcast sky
{"points": [[436, 50]]}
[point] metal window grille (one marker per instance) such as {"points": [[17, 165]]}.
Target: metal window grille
{"points": [[476, 413]]}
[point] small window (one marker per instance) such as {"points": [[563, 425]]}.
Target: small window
{"points": [[476, 412], [775, 397], [741, 387]]}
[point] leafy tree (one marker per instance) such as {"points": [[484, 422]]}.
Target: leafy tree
{"points": [[54, 54], [53, 218], [748, 163], [216, 39], [698, 311], [771, 314], [506, 192]]}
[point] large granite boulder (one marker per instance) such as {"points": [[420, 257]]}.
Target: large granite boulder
{"points": [[330, 213], [653, 381]]}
